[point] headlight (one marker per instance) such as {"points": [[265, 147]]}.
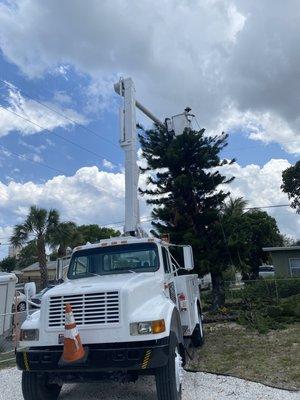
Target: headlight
{"points": [[147, 327], [29, 334]]}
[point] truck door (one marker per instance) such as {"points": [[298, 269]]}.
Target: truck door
{"points": [[170, 287]]}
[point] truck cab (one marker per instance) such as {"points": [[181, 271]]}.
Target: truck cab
{"points": [[133, 312]]}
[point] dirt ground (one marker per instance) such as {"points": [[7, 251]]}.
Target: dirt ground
{"points": [[272, 359]]}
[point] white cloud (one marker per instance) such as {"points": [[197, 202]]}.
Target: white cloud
{"points": [[62, 70], [90, 196], [37, 149], [5, 234], [205, 53], [266, 127], [260, 186], [62, 97], [108, 164], [30, 110], [100, 94], [37, 158], [49, 142]]}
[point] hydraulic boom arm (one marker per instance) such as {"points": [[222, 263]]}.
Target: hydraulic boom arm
{"points": [[128, 137]]}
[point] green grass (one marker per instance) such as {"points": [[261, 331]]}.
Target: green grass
{"points": [[272, 359]]}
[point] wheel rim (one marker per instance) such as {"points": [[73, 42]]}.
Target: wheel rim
{"points": [[22, 307], [178, 369]]}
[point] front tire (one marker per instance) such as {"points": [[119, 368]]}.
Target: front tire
{"points": [[35, 386], [198, 333], [168, 378]]}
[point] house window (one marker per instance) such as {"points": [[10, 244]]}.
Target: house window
{"points": [[295, 267]]}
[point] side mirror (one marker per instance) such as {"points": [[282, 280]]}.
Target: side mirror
{"points": [[188, 258], [30, 290]]}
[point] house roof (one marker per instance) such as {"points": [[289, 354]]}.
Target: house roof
{"points": [[51, 265], [281, 248]]}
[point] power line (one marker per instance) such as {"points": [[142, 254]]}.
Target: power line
{"points": [[53, 133], [58, 112], [273, 206]]}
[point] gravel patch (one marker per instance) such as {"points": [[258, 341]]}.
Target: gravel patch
{"points": [[196, 386]]}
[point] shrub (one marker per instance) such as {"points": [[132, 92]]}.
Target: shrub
{"points": [[270, 304], [264, 304], [288, 287]]}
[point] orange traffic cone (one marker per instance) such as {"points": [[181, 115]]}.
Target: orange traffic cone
{"points": [[73, 349]]}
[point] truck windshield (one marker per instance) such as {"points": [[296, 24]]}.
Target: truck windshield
{"points": [[136, 257]]}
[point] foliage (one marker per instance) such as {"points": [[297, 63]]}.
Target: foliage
{"points": [[65, 234], [68, 234], [39, 223], [8, 264], [229, 275], [184, 187], [27, 255], [93, 233], [270, 304], [262, 232], [291, 185], [261, 305], [287, 241], [246, 233]]}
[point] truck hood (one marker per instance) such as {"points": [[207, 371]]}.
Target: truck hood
{"points": [[104, 283]]}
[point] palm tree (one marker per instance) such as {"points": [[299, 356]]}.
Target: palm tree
{"points": [[234, 207], [38, 225], [63, 236]]}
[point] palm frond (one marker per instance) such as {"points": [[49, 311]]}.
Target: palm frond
{"points": [[20, 235]]}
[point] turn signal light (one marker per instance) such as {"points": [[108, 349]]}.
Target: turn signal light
{"points": [[147, 327], [158, 326]]}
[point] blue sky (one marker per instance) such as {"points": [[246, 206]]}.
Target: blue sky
{"points": [[238, 77]]}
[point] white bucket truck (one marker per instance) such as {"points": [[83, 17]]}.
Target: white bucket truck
{"points": [[132, 309]]}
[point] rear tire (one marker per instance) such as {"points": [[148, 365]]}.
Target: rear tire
{"points": [[35, 386], [168, 378], [198, 333]]}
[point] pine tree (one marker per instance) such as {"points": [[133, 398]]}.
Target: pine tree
{"points": [[183, 187]]}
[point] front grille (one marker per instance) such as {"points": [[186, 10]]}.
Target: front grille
{"points": [[88, 309]]}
